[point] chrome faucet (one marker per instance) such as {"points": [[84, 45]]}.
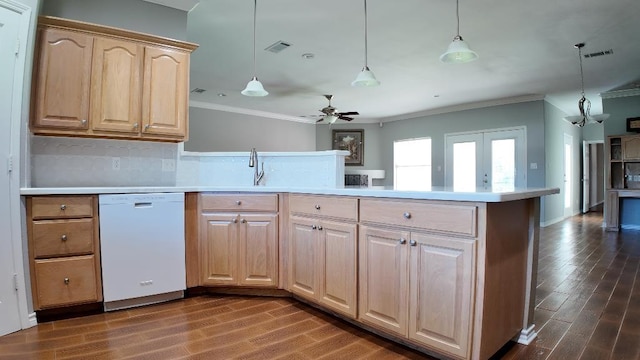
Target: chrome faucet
{"points": [[253, 162]]}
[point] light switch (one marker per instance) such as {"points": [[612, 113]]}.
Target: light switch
{"points": [[533, 166]]}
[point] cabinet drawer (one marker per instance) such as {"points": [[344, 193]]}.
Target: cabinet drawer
{"points": [[66, 281], [62, 237], [52, 207], [458, 219], [329, 206], [239, 202]]}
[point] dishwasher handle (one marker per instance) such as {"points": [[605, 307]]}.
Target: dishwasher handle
{"points": [[143, 205]]}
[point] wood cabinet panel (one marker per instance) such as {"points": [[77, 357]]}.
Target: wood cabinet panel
{"points": [[60, 207], [325, 206], [259, 250], [165, 92], [441, 284], [66, 281], [631, 148], [62, 237], [303, 249], [220, 249], [383, 272], [458, 219], [62, 80], [239, 202], [116, 86]]}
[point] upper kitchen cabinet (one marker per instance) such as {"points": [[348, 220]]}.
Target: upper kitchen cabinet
{"points": [[98, 81]]}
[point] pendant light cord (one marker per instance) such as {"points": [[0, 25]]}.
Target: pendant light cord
{"points": [[255, 5], [458, 18], [365, 36], [579, 46]]}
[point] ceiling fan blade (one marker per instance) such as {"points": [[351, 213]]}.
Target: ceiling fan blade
{"points": [[345, 118], [350, 113], [321, 119]]}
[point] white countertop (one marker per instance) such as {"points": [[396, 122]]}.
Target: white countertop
{"points": [[436, 193]]}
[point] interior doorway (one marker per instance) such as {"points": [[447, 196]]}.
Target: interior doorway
{"points": [[592, 176]]}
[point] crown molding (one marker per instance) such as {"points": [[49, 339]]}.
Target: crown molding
{"points": [[468, 106], [184, 5], [237, 110], [620, 93]]}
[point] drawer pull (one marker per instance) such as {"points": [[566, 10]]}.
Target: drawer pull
{"points": [[244, 221], [63, 207], [413, 243], [238, 202], [407, 215], [234, 220], [66, 281], [313, 227], [402, 241], [317, 207], [63, 237], [319, 227]]}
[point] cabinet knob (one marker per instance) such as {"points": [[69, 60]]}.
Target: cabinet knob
{"points": [[63, 207], [402, 241], [235, 220], [83, 121], [413, 243], [63, 237], [238, 202], [407, 215], [66, 281], [314, 227], [146, 127], [319, 227], [135, 126], [317, 207], [243, 221]]}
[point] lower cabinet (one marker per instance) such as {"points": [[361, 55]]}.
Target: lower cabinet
{"points": [[323, 263], [418, 285], [239, 248]]}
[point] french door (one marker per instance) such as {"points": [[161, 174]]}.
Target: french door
{"points": [[492, 159]]}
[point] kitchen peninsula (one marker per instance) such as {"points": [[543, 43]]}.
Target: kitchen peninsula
{"points": [[461, 265]]}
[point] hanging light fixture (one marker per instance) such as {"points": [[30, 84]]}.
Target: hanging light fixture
{"points": [[254, 87], [458, 51], [584, 105], [365, 77]]}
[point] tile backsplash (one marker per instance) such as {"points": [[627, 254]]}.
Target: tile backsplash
{"points": [[63, 162]]}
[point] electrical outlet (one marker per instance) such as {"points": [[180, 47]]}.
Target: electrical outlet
{"points": [[168, 165], [115, 163]]}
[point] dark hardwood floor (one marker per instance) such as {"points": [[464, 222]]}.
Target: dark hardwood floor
{"points": [[588, 307]]}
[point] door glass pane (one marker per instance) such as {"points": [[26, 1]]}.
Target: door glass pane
{"points": [[464, 166], [503, 164]]}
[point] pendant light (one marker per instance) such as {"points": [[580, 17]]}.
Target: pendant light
{"points": [[254, 87], [365, 77], [584, 105], [458, 51]]}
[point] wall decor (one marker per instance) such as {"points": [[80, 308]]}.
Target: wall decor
{"points": [[633, 124], [352, 141]]}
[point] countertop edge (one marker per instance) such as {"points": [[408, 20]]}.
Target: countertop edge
{"points": [[481, 196]]}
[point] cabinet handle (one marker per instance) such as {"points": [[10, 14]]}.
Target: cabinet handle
{"points": [[407, 215], [63, 207], [238, 202], [63, 237], [66, 281], [313, 227], [402, 241], [317, 207], [413, 243], [243, 221], [319, 227]]}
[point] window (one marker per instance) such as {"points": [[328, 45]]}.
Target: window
{"points": [[412, 164]]}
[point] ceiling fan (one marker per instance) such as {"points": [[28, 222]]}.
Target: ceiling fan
{"points": [[330, 114]]}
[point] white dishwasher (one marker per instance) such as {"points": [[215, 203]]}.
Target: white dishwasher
{"points": [[142, 248]]}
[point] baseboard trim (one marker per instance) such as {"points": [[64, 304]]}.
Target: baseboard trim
{"points": [[33, 320], [527, 335]]}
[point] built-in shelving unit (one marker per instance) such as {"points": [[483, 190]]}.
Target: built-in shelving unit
{"points": [[623, 166]]}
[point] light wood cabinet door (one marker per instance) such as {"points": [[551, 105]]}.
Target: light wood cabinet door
{"points": [[258, 254], [66, 281], [441, 289], [303, 247], [219, 249], [337, 262], [63, 80], [631, 147], [165, 92], [116, 86], [384, 280]]}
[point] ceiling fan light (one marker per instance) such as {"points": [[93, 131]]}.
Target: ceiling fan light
{"points": [[330, 119], [458, 52], [254, 88], [599, 118], [365, 79]]}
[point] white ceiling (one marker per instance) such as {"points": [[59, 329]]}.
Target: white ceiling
{"points": [[525, 47]]}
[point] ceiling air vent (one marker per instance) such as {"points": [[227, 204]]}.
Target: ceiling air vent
{"points": [[198, 90], [277, 46], [598, 53]]}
